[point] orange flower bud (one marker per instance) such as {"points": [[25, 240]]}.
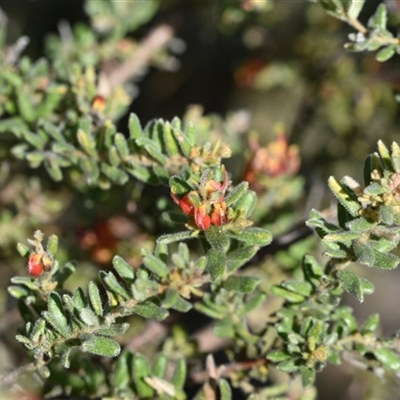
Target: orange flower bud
{"points": [[99, 103], [218, 217]]}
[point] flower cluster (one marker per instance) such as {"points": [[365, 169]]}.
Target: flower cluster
{"points": [[276, 159], [206, 205]]}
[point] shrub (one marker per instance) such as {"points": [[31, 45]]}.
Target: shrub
{"points": [[196, 279]]}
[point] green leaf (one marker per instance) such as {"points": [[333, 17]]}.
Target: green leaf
{"points": [[154, 264], [115, 174], [184, 252], [171, 297], [236, 193], [224, 390], [150, 310], [79, 298], [288, 366], [355, 8], [39, 330], [35, 158], [277, 356], [113, 157], [253, 236], [355, 285], [125, 271], [241, 284], [240, 256], [179, 376], [303, 288], [101, 346], [160, 365], [52, 245], [25, 341], [53, 131], [26, 281], [216, 262], [88, 317], [388, 358], [141, 369], [175, 237], [113, 330], [370, 325], [95, 299], [55, 323], [23, 250], [346, 197], [247, 203], [183, 142], [122, 146], [386, 53], [87, 143], [210, 311], [385, 155], [224, 328], [63, 350], [307, 376], [112, 284], [368, 256], [53, 169], [18, 292], [25, 106], [288, 295], [170, 141], [256, 300], [386, 215], [56, 314], [379, 19], [122, 373], [218, 238], [152, 149], [182, 305]]}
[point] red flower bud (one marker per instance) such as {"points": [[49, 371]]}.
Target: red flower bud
{"points": [[35, 265], [185, 204], [39, 263], [203, 221]]}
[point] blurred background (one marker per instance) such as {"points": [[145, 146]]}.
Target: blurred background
{"points": [[282, 62]]}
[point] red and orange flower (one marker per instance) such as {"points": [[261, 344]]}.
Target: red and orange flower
{"points": [[206, 205]]}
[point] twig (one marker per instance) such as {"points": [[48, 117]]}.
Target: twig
{"points": [[154, 330], [8, 379], [201, 376], [156, 39]]}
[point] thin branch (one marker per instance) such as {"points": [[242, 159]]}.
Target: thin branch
{"points": [[154, 331], [156, 40], [10, 378], [202, 376]]}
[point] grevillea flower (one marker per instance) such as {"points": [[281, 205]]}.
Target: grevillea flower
{"points": [[276, 159], [207, 204]]}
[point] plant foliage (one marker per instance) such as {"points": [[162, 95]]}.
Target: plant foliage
{"points": [[206, 254]]}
